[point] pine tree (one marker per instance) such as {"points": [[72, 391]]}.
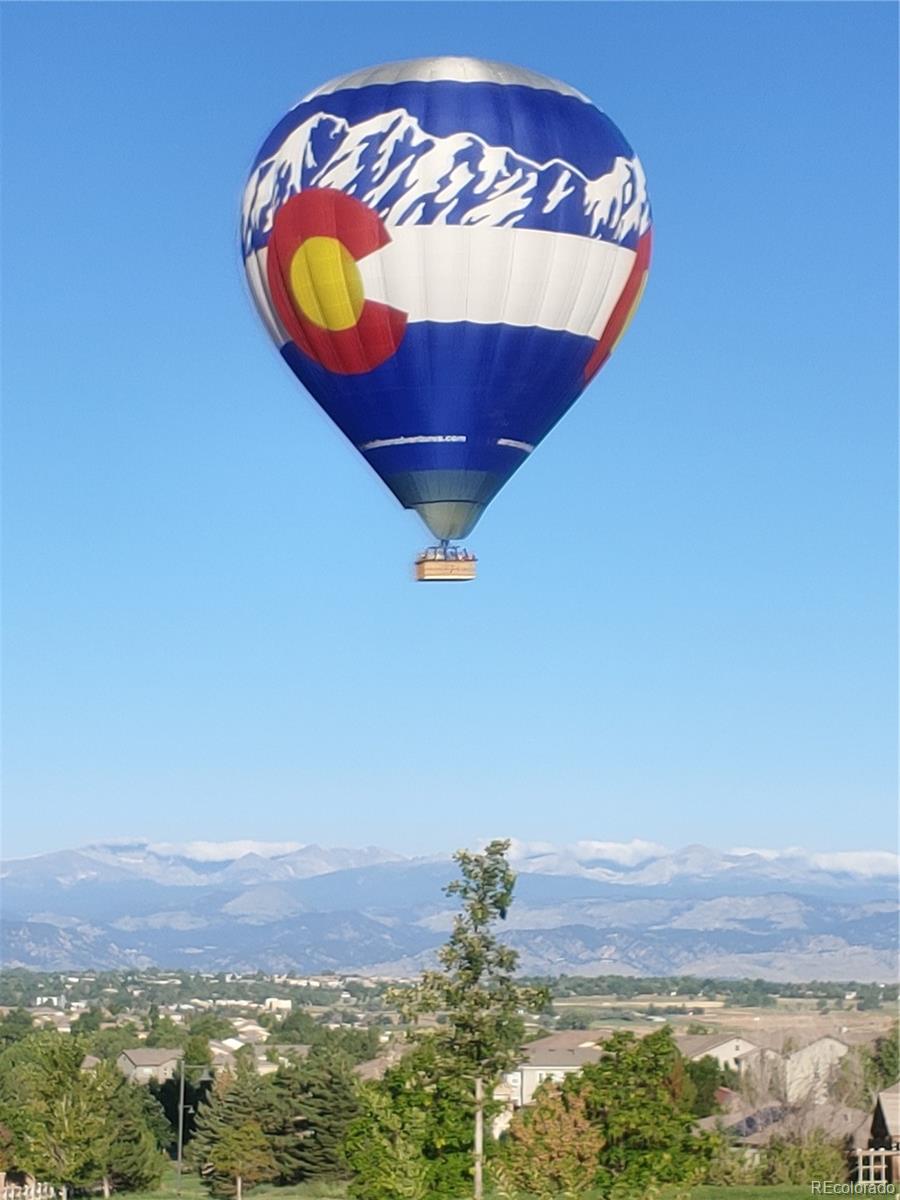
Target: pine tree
{"points": [[242, 1157], [326, 1104], [134, 1163], [236, 1102]]}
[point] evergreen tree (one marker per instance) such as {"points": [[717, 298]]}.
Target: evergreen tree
{"points": [[326, 1104], [235, 1102], [241, 1157], [135, 1163]]}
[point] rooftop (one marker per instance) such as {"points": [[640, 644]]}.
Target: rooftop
{"points": [[155, 1056]]}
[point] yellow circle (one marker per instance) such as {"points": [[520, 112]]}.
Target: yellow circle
{"points": [[326, 283]]}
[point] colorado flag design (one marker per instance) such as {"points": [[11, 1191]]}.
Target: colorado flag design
{"points": [[446, 251]]}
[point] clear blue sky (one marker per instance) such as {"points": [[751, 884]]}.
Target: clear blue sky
{"points": [[684, 625]]}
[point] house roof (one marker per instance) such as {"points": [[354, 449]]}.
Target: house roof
{"points": [[156, 1056], [567, 1039], [556, 1058], [757, 1126], [889, 1101], [785, 1042], [695, 1045], [375, 1068]]}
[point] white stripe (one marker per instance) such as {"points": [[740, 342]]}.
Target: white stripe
{"points": [[455, 69], [406, 441], [526, 446], [498, 275]]}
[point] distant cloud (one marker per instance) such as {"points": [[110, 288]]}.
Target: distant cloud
{"points": [[856, 862], [627, 854], [220, 851]]}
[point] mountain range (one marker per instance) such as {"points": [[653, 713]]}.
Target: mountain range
{"points": [[410, 176], [586, 908]]}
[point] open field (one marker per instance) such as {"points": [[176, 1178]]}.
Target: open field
{"points": [[798, 1019]]}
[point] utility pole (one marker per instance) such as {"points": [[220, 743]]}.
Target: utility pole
{"points": [[181, 1111], [180, 1126]]}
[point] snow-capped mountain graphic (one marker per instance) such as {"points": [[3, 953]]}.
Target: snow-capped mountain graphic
{"points": [[411, 177]]}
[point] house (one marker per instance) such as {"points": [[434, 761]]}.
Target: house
{"points": [[797, 1072], [750, 1127], [885, 1130], [249, 1031], [725, 1049], [270, 1058], [274, 1004], [142, 1064], [552, 1058], [877, 1145], [374, 1068]]}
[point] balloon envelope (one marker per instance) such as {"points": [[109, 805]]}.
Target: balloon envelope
{"points": [[446, 251]]}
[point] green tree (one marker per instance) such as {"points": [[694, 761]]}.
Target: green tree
{"points": [[884, 1062], [211, 1025], [476, 985], [433, 1107], [59, 1111], [108, 1044], [197, 1054], [16, 1025], [802, 1158], [165, 1032], [326, 1103], [88, 1022], [384, 1149], [635, 1097], [707, 1076], [241, 1156], [234, 1102]]}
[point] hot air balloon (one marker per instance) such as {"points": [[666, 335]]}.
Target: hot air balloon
{"points": [[446, 251]]}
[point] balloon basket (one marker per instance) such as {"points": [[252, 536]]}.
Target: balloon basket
{"points": [[445, 564]]}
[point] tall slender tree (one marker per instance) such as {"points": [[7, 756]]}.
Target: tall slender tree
{"points": [[476, 986]]}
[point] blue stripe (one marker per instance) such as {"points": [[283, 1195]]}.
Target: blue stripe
{"points": [[537, 123], [485, 382]]}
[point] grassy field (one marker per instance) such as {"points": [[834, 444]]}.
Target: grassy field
{"points": [[192, 1189]]}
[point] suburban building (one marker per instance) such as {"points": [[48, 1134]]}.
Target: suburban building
{"points": [[549, 1058], [249, 1031], [725, 1049], [876, 1156], [276, 1005], [143, 1064], [885, 1131], [796, 1072]]}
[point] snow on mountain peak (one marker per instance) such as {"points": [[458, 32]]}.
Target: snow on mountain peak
{"points": [[410, 176]]}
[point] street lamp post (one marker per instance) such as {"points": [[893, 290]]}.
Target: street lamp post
{"points": [[181, 1112]]}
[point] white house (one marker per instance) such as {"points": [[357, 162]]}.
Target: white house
{"points": [[726, 1049], [550, 1058], [142, 1065], [276, 1005], [800, 1072]]}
